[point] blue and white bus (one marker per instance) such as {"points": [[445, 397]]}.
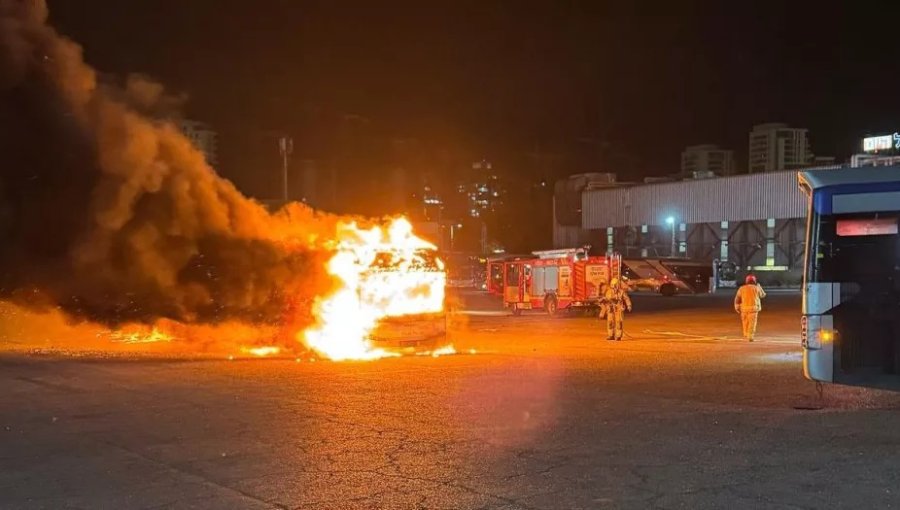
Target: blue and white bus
{"points": [[851, 289]]}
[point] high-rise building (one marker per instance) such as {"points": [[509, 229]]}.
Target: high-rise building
{"points": [[484, 194], [703, 159], [776, 146], [202, 137]]}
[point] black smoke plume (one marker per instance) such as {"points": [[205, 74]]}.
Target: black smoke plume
{"points": [[109, 214]]}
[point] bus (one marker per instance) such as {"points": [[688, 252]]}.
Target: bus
{"points": [[850, 328]]}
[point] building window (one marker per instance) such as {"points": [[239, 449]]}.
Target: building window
{"points": [[682, 227], [682, 247], [609, 238], [770, 223], [643, 229], [724, 225], [723, 251]]}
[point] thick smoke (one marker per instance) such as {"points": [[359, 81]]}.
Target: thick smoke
{"points": [[111, 215]]}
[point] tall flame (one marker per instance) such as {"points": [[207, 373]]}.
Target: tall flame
{"points": [[381, 272]]}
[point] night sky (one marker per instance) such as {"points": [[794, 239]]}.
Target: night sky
{"points": [[623, 89]]}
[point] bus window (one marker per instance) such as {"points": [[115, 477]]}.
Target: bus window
{"points": [[861, 252]]}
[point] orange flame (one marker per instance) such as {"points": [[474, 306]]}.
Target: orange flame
{"points": [[140, 337], [263, 351], [441, 351], [381, 273]]}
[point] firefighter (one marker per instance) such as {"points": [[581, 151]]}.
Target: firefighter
{"points": [[615, 303], [748, 303]]}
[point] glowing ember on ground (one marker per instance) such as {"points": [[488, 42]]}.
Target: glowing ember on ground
{"points": [[140, 337], [381, 272], [261, 351], [442, 351]]}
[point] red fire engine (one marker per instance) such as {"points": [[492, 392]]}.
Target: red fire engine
{"points": [[557, 280]]}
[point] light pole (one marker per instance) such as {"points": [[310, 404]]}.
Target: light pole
{"points": [[670, 221], [452, 231], [286, 148]]}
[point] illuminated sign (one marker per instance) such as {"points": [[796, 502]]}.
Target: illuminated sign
{"points": [[867, 227], [881, 143]]}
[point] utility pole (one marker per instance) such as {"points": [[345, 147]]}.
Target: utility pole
{"points": [[286, 148], [671, 222]]}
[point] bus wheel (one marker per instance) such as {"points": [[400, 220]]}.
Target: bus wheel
{"points": [[668, 289], [551, 305]]}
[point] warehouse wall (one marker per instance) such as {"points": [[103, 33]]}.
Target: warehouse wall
{"points": [[740, 198]]}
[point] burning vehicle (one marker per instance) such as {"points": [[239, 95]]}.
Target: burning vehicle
{"points": [[389, 297], [424, 329]]}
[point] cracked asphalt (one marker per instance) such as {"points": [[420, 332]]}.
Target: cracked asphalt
{"points": [[546, 415]]}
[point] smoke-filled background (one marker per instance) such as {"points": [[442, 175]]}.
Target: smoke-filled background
{"points": [[110, 215]]}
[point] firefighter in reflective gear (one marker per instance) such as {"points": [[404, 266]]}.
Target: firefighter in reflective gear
{"points": [[615, 303], [748, 303]]}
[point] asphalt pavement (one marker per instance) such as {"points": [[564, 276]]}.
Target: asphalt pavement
{"points": [[544, 415]]}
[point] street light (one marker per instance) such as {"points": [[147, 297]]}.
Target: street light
{"points": [[452, 232], [670, 221]]}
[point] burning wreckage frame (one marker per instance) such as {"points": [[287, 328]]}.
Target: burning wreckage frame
{"points": [[414, 333]]}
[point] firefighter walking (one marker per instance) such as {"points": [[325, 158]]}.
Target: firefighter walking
{"points": [[748, 303], [615, 303]]}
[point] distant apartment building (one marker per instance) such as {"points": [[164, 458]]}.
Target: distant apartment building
{"points": [[485, 194], [698, 160], [775, 147], [203, 138]]}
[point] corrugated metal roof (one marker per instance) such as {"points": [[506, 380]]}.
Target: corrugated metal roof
{"points": [[740, 198]]}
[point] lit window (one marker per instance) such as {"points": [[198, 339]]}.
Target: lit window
{"points": [[682, 227], [682, 247], [643, 229], [770, 222], [723, 250]]}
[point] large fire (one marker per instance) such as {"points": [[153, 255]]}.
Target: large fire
{"points": [[381, 272], [388, 289]]}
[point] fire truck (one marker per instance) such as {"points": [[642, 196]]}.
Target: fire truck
{"points": [[556, 280]]}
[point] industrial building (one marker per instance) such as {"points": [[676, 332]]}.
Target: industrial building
{"points": [[757, 221]]}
